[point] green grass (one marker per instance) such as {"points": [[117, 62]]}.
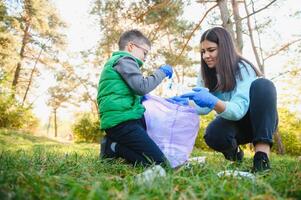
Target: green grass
{"points": [[39, 168]]}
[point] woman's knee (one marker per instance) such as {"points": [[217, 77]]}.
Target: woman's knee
{"points": [[264, 87], [220, 135], [217, 140], [210, 137], [263, 98]]}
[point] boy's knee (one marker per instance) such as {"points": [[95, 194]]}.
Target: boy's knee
{"points": [[161, 161], [156, 156], [154, 160]]}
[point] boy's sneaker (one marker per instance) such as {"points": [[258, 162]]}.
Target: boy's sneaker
{"points": [[105, 148], [235, 155], [261, 162]]}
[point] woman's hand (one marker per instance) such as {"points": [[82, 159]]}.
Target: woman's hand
{"points": [[178, 100], [202, 97]]}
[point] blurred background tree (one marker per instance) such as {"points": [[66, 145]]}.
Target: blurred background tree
{"points": [[33, 41]]}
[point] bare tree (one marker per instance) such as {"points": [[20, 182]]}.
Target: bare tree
{"points": [[238, 26], [32, 74], [259, 63], [225, 17], [62, 93], [33, 27]]}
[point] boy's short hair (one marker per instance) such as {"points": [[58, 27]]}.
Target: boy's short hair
{"points": [[132, 36]]}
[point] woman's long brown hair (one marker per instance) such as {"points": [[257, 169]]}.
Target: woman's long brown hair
{"points": [[228, 60]]}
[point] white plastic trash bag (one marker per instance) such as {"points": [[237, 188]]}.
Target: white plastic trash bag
{"points": [[173, 128]]}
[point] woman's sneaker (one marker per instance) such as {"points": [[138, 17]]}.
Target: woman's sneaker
{"points": [[239, 154], [261, 162], [234, 155]]}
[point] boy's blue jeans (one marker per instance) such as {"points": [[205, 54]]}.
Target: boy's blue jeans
{"points": [[134, 144], [258, 125]]}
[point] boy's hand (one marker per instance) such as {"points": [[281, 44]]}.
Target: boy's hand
{"points": [[143, 98], [167, 69]]}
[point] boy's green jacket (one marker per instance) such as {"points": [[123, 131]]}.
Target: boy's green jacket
{"points": [[116, 101]]}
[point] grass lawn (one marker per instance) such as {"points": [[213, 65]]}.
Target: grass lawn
{"points": [[39, 168]]}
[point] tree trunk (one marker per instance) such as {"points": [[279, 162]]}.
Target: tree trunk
{"points": [[55, 123], [262, 66], [238, 26], [183, 75], [93, 101], [259, 63], [227, 23], [189, 38], [278, 140], [48, 126], [31, 75], [19, 65]]}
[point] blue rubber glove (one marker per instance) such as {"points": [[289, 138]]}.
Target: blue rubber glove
{"points": [[202, 97], [178, 100], [143, 98], [167, 69]]}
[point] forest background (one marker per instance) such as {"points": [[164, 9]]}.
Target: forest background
{"points": [[52, 53]]}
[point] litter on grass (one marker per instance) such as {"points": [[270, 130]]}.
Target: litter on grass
{"points": [[150, 175], [237, 174], [195, 161], [199, 160]]}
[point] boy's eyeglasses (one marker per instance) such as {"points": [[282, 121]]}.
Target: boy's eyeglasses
{"points": [[145, 51]]}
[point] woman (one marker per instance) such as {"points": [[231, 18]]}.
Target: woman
{"points": [[245, 104]]}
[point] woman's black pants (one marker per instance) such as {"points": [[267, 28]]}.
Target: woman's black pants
{"points": [[257, 126]]}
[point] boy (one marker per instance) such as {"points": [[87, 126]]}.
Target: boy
{"points": [[120, 88]]}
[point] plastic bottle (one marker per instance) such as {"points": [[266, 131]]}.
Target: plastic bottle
{"points": [[149, 175]]}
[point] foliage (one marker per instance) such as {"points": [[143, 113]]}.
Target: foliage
{"points": [[36, 168], [13, 115], [63, 92], [204, 121], [86, 128], [290, 131], [64, 89], [32, 31], [8, 43], [160, 21]]}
